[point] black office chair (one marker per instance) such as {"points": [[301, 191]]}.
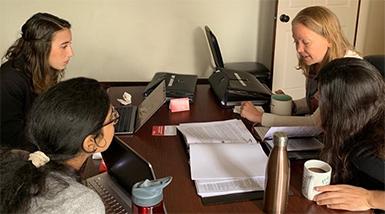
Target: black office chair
{"points": [[257, 69], [378, 61]]}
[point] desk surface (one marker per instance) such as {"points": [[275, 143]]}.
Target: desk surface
{"points": [[169, 158]]}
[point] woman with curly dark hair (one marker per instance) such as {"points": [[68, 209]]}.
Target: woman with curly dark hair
{"points": [[34, 63], [352, 108]]}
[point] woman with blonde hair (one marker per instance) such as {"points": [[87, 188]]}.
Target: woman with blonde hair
{"points": [[319, 39]]}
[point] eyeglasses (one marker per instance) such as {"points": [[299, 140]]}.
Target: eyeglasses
{"points": [[115, 117]]}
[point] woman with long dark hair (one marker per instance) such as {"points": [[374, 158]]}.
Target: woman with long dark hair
{"points": [[352, 108], [67, 123], [34, 63]]}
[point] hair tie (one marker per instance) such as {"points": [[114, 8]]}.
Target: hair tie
{"points": [[38, 158]]}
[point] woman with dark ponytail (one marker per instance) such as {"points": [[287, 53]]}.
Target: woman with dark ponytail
{"points": [[352, 107], [34, 63], [68, 123]]}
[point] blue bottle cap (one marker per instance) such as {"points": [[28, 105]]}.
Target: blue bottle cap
{"points": [[148, 193]]}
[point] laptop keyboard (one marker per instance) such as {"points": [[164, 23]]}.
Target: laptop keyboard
{"points": [[111, 204], [125, 114]]}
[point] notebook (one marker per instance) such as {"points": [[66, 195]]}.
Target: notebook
{"points": [[131, 118], [177, 85], [125, 167]]}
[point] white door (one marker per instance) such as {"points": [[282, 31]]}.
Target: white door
{"points": [[285, 76]]}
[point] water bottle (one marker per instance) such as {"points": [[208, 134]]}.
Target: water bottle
{"points": [[147, 196], [277, 176]]}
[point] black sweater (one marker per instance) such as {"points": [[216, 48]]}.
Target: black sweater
{"points": [[16, 96]]}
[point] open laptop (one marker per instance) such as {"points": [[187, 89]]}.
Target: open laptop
{"points": [[132, 117], [125, 167]]}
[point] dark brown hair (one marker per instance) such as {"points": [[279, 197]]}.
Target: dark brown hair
{"points": [[59, 121], [352, 106], [35, 46]]}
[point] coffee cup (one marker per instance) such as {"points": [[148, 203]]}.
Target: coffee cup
{"points": [[281, 104], [315, 173]]}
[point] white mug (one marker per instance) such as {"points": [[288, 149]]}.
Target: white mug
{"points": [[281, 104], [315, 173]]}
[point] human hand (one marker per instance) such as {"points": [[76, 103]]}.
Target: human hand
{"points": [[279, 91], [251, 113], [343, 197]]}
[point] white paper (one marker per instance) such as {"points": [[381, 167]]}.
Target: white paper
{"points": [[291, 131], [300, 144], [207, 188], [126, 99], [223, 161], [97, 156], [228, 131], [224, 157], [169, 130]]}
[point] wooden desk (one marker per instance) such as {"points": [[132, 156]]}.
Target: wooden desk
{"points": [[168, 157]]}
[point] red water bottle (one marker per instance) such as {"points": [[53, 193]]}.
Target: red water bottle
{"points": [[147, 196]]}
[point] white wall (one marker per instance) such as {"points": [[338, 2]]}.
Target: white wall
{"points": [[130, 40], [371, 32]]}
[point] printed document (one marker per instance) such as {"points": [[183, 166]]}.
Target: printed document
{"points": [[209, 187], [300, 144], [225, 158], [291, 131], [224, 161], [228, 131], [301, 138]]}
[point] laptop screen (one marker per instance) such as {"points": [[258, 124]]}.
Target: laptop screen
{"points": [[126, 165], [150, 105]]}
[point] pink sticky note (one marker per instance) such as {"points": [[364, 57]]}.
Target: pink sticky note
{"points": [[179, 104]]}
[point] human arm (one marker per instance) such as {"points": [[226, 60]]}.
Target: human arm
{"points": [[16, 96], [300, 106], [251, 113], [12, 95], [87, 202], [268, 119], [347, 197]]}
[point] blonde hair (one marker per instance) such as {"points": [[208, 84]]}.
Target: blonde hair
{"points": [[325, 23]]}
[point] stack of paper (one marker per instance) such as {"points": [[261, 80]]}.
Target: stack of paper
{"points": [[213, 187], [301, 138], [302, 144], [291, 131], [224, 158]]}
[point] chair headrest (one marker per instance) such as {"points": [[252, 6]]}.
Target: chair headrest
{"points": [[378, 61]]}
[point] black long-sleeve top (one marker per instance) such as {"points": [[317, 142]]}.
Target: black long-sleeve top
{"points": [[17, 96]]}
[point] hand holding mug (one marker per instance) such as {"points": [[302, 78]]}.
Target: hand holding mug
{"points": [[279, 91], [315, 173], [345, 197]]}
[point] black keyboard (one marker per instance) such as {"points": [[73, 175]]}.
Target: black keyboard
{"points": [[111, 203]]}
